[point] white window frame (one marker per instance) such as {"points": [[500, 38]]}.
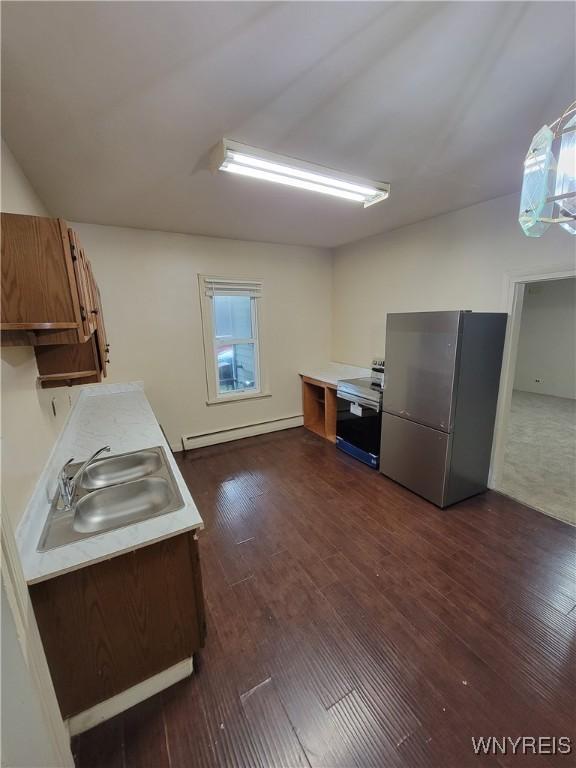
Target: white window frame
{"points": [[210, 286]]}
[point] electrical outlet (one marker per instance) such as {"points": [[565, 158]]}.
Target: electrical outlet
{"points": [[537, 381]]}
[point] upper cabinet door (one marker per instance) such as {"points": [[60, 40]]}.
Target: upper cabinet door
{"points": [[42, 300], [83, 282], [38, 283], [101, 339]]}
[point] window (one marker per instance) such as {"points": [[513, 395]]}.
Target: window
{"points": [[231, 337]]}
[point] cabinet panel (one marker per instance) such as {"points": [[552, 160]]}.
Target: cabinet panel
{"points": [[198, 588], [97, 313], [84, 284]]}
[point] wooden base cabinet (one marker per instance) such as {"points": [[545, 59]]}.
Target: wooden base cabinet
{"points": [[114, 624]]}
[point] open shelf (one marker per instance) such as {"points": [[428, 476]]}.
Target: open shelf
{"points": [[319, 406], [70, 375], [68, 364], [50, 380], [37, 326]]}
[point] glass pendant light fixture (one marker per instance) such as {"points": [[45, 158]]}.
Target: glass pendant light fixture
{"points": [[549, 185], [565, 191]]}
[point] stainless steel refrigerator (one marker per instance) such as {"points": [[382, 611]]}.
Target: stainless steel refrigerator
{"points": [[441, 384]]}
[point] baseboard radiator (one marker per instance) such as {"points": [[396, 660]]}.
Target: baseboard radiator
{"points": [[237, 433]]}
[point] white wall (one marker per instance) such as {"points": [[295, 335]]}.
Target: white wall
{"points": [[18, 196], [151, 304], [547, 344], [28, 423], [33, 733], [25, 736], [455, 261]]}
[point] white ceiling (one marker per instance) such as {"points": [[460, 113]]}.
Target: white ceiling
{"points": [[112, 107]]}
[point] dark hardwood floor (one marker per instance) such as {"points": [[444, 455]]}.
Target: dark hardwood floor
{"points": [[351, 623]]}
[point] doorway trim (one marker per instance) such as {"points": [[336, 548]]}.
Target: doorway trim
{"points": [[512, 302]]}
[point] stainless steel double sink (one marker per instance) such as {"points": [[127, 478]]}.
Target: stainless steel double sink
{"points": [[112, 493]]}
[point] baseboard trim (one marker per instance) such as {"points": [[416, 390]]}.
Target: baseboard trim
{"points": [[237, 433], [105, 710]]}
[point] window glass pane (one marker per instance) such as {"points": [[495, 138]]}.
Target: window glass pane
{"points": [[233, 317], [236, 368]]}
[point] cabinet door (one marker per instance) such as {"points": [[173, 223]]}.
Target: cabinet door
{"points": [[91, 297], [114, 624], [39, 292], [83, 284], [101, 339]]}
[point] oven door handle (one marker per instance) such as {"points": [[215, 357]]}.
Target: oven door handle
{"points": [[359, 401]]}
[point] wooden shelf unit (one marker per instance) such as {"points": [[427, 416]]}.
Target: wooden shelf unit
{"points": [[319, 406]]}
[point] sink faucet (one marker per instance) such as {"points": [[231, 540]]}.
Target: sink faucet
{"points": [[67, 484]]}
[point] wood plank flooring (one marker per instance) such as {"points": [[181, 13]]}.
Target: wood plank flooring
{"points": [[353, 624]]}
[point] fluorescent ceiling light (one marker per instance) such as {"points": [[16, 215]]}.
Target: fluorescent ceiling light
{"points": [[240, 159]]}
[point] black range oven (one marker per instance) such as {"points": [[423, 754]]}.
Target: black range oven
{"points": [[359, 419]]}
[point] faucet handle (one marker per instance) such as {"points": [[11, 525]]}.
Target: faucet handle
{"points": [[65, 485], [63, 470]]}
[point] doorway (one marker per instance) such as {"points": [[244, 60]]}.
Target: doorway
{"points": [[538, 456]]}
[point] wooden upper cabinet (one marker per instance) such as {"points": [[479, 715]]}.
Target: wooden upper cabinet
{"points": [[40, 291], [50, 299]]}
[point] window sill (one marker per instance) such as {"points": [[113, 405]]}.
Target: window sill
{"points": [[235, 398]]}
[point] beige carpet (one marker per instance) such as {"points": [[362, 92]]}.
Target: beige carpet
{"points": [[540, 457]]}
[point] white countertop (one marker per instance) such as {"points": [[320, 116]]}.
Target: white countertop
{"points": [[331, 373], [118, 415]]}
